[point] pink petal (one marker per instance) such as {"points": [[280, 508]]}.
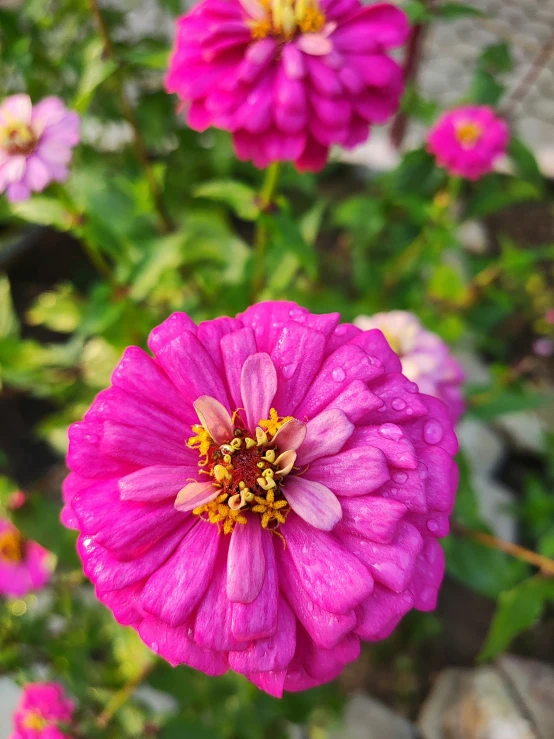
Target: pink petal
{"points": [[258, 620], [236, 347], [37, 175], [258, 384], [173, 592], [272, 653], [210, 334], [194, 495], [355, 471], [18, 107], [326, 435], [174, 326], [391, 440], [380, 609], [356, 401], [215, 418], [290, 436], [375, 518], [156, 483], [313, 502], [246, 562], [315, 44], [335, 579]]}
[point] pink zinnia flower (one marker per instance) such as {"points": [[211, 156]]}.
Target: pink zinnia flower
{"points": [[288, 78], [35, 144], [426, 358], [24, 564], [467, 141], [263, 493], [42, 708]]}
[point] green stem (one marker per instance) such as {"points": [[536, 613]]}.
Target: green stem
{"points": [[266, 198]]}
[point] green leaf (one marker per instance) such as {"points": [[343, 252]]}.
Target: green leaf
{"points": [[496, 192], [517, 610], [416, 106], [58, 309], [524, 162], [496, 58], [286, 237], [239, 197], [453, 11], [485, 89], [448, 285], [96, 69], [491, 403], [44, 210], [417, 12], [8, 319]]}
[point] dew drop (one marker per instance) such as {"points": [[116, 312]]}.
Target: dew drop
{"points": [[423, 471], [400, 477], [432, 525], [310, 605], [398, 404], [341, 330], [382, 408], [390, 431], [409, 411], [432, 432], [289, 370], [411, 387], [154, 646], [294, 312], [375, 361], [93, 438], [338, 374]]}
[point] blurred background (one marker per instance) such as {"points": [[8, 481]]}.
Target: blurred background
{"points": [[157, 218]]}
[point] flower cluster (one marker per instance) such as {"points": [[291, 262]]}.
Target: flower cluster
{"points": [[288, 78], [426, 359], [468, 140], [262, 493], [24, 564], [42, 710], [35, 144]]}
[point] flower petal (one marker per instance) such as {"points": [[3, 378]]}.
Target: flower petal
{"points": [[215, 418], [194, 495], [326, 435], [246, 561], [236, 347], [355, 471], [313, 502], [290, 436], [258, 384], [155, 483]]}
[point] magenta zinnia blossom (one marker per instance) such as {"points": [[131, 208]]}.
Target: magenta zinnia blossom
{"points": [[467, 141], [263, 493], [43, 707], [35, 144], [24, 564], [426, 358], [288, 78]]}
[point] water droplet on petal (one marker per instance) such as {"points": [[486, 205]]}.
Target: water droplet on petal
{"points": [[341, 330], [423, 471], [394, 491], [400, 477], [382, 408], [289, 370], [398, 404], [338, 374], [310, 605], [432, 432], [391, 431], [409, 411], [375, 362], [154, 646], [432, 525], [411, 387]]}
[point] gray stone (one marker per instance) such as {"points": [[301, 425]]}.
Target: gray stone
{"points": [[483, 448], [525, 429], [367, 718], [9, 696]]}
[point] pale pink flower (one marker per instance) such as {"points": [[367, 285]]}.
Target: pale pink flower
{"points": [[262, 493], [35, 144], [426, 358], [43, 707], [288, 78], [468, 140], [24, 564]]}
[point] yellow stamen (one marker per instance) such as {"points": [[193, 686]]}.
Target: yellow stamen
{"points": [[285, 18], [11, 546], [266, 483], [469, 133], [274, 423], [34, 720], [202, 441], [236, 443], [249, 442], [221, 473], [261, 437], [270, 455]]}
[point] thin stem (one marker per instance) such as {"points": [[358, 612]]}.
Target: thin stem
{"points": [[267, 195], [166, 224], [122, 696], [544, 564]]}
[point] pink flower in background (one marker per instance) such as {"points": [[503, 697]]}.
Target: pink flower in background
{"points": [[24, 564], [288, 78], [17, 500], [35, 144], [42, 708], [426, 359], [468, 140], [262, 493]]}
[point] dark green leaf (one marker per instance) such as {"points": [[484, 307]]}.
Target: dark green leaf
{"points": [[453, 11], [524, 161], [239, 197]]}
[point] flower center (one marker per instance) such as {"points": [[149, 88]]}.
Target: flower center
{"points": [[34, 720], [248, 469], [17, 138], [11, 546], [284, 19], [468, 134]]}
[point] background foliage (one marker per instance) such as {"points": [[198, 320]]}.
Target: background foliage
{"points": [[157, 218]]}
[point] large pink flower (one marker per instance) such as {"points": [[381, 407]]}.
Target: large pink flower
{"points": [[288, 78], [35, 144], [425, 357], [24, 564], [262, 493], [41, 710], [468, 140]]}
